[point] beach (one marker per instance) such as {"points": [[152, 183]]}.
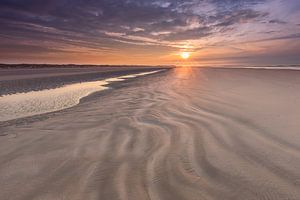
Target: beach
{"points": [[182, 133]]}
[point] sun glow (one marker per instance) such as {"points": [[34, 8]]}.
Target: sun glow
{"points": [[185, 55]]}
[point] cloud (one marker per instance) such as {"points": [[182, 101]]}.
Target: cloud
{"points": [[240, 16], [111, 15], [118, 24], [277, 21], [191, 34]]}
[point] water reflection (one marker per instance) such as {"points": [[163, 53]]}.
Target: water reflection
{"points": [[183, 72]]}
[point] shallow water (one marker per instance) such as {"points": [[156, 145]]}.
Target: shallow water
{"points": [[225, 134], [26, 104]]}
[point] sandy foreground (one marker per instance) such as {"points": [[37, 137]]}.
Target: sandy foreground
{"points": [[185, 133]]}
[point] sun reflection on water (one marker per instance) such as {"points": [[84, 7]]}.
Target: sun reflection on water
{"points": [[183, 72]]}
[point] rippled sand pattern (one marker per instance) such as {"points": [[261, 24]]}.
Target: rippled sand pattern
{"points": [[182, 134]]}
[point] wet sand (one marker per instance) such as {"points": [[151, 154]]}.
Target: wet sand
{"points": [[20, 105], [182, 134], [16, 79]]}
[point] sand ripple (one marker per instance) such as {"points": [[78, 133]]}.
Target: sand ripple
{"points": [[182, 134]]}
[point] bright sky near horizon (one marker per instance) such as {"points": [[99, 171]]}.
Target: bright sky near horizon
{"points": [[150, 32]]}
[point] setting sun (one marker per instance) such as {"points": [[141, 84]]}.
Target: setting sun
{"points": [[185, 55]]}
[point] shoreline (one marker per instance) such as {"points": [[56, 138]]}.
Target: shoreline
{"points": [[22, 80], [103, 76], [108, 83]]}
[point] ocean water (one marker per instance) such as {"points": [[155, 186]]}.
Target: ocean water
{"points": [[44, 101]]}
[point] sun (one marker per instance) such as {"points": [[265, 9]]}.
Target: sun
{"points": [[185, 55]]}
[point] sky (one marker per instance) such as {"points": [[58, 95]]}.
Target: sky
{"points": [[150, 32]]}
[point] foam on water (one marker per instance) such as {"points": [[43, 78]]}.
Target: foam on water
{"points": [[44, 101]]}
